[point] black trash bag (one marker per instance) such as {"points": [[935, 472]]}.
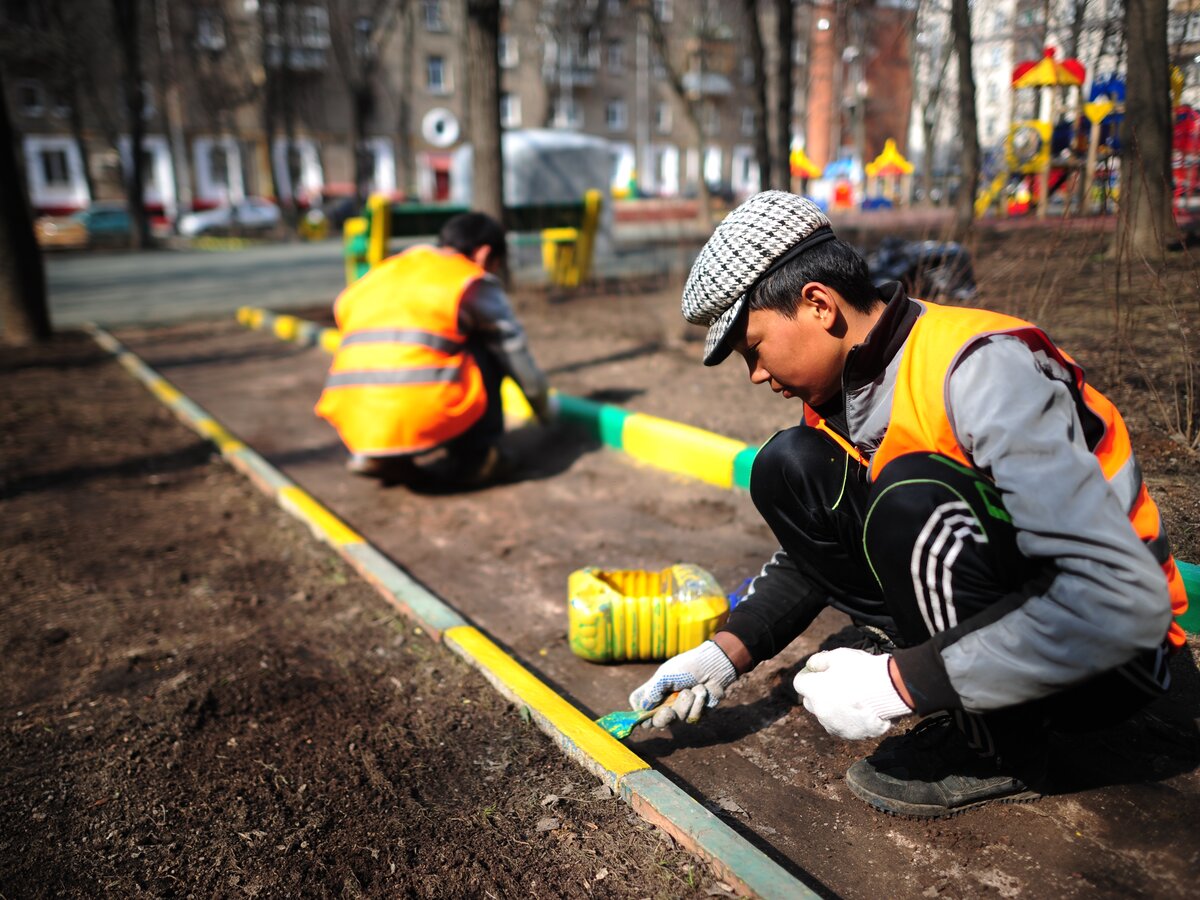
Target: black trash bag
{"points": [[928, 269]]}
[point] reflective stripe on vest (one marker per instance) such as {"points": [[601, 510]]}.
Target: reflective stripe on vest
{"points": [[402, 336], [921, 422], [395, 376]]}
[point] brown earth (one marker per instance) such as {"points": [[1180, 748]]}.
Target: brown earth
{"points": [[199, 699], [1118, 825]]}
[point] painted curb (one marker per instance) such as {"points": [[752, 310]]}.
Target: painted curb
{"points": [[648, 792], [667, 445], [661, 443]]}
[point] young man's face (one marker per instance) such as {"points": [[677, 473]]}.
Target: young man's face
{"points": [[799, 357]]}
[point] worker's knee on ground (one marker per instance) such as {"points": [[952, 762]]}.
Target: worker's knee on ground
{"points": [[789, 464]]}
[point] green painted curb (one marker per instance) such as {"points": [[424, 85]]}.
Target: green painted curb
{"points": [[742, 464], [1190, 620], [653, 796]]}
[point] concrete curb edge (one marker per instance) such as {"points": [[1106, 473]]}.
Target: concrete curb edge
{"points": [[648, 792]]}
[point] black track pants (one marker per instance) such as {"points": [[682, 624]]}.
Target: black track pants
{"points": [[926, 551]]}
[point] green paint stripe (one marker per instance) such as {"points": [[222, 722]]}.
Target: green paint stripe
{"points": [[402, 591], [657, 800], [1190, 620], [250, 464], [742, 464]]}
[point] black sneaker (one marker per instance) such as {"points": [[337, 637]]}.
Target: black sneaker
{"points": [[934, 771]]}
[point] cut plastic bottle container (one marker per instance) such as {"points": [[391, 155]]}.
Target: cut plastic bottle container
{"points": [[633, 614]]}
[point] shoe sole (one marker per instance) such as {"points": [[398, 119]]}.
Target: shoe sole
{"points": [[929, 811]]}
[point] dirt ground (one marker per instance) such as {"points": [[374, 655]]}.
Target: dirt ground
{"points": [[198, 699], [81, 628]]}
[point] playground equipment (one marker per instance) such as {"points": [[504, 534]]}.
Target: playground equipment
{"points": [[1031, 144], [1028, 148], [552, 187], [889, 176]]}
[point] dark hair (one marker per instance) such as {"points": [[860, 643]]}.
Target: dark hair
{"points": [[833, 263], [467, 232]]}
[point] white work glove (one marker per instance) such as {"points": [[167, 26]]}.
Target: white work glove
{"points": [[850, 692], [701, 677]]}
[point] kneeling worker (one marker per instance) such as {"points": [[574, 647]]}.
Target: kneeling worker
{"points": [[427, 337], [957, 489]]}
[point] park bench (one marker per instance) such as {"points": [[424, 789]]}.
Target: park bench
{"points": [[567, 233]]}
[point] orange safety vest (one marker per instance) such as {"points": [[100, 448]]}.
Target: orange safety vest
{"points": [[920, 422], [401, 380]]}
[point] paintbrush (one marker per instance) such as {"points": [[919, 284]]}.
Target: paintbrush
{"points": [[620, 724]]}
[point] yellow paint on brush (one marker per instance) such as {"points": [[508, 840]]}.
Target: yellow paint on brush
{"points": [[285, 327], [214, 431], [321, 520], [331, 339], [572, 725], [681, 448], [163, 390]]}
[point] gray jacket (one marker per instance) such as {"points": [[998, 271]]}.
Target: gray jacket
{"points": [[1015, 419]]}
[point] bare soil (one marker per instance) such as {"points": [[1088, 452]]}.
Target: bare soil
{"points": [[202, 624], [198, 699]]}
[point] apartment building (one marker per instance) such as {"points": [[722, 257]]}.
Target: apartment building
{"points": [[302, 97]]}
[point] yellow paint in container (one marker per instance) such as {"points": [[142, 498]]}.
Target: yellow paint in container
{"points": [[634, 614]]}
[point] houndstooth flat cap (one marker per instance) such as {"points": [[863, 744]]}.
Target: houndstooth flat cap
{"points": [[754, 240]]}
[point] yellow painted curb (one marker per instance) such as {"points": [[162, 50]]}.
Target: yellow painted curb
{"points": [[681, 448], [571, 725], [215, 431], [324, 523]]}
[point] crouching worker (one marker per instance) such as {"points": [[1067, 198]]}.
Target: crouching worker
{"points": [[427, 337], [959, 490]]}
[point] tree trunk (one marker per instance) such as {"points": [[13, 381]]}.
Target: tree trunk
{"points": [[762, 142], [483, 106], [26, 317], [406, 175], [1144, 215], [964, 208], [781, 170], [127, 24]]}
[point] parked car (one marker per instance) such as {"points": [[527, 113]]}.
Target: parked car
{"points": [[251, 214], [60, 233], [106, 223], [101, 224]]}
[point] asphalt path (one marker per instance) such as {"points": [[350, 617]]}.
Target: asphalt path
{"points": [[119, 288]]}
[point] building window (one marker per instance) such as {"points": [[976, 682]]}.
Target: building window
{"points": [[999, 22], [314, 27], [506, 50], [435, 74], [510, 110], [31, 98], [747, 120], [662, 9], [614, 7], [56, 172], [662, 117], [614, 53], [997, 55], [658, 68], [710, 119], [210, 30], [566, 113], [431, 11], [616, 116]]}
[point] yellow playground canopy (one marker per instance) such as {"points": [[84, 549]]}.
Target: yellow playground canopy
{"points": [[1048, 72], [890, 162]]}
